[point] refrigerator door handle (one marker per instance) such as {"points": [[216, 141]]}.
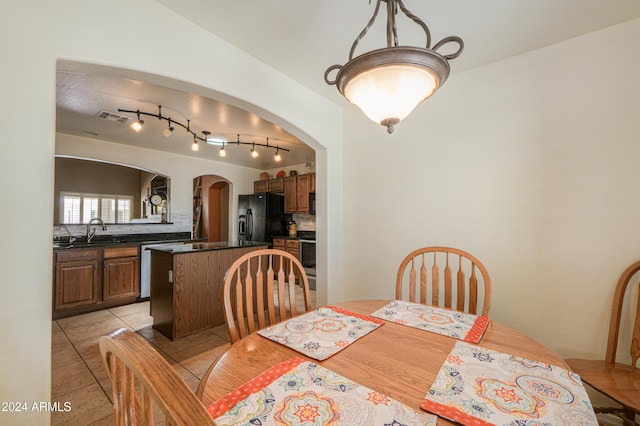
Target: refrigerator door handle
{"points": [[242, 225], [249, 225]]}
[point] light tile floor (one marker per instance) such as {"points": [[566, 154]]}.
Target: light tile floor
{"points": [[78, 376]]}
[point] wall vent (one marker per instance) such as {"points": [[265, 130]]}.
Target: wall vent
{"points": [[113, 116]]}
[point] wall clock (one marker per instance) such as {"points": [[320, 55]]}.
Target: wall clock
{"points": [[156, 199]]}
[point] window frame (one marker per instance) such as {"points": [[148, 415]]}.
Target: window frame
{"points": [[117, 199]]}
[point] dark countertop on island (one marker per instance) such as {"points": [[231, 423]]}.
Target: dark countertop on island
{"points": [[198, 247]]}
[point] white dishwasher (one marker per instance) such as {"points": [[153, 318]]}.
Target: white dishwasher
{"points": [[145, 267]]}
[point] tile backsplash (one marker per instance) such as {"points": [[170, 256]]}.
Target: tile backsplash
{"points": [[181, 223], [305, 222]]}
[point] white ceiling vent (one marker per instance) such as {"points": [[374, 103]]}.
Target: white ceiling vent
{"points": [[113, 116]]}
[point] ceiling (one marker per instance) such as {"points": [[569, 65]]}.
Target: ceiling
{"points": [[302, 38]]}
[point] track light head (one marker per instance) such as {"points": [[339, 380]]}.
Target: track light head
{"points": [[169, 130], [137, 125]]}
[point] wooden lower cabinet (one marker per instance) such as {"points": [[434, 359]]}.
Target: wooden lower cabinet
{"points": [[291, 246], [121, 272], [186, 289], [76, 284], [87, 280]]}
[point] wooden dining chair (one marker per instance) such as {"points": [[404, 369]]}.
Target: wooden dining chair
{"points": [[427, 275], [260, 289], [620, 382], [145, 386]]}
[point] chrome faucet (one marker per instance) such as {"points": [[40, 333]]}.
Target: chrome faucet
{"points": [[72, 239], [92, 232]]}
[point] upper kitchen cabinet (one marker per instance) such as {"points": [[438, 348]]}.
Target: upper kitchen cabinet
{"points": [[296, 192], [270, 185]]}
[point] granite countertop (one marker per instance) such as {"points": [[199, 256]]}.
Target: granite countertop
{"points": [[123, 240], [198, 247]]}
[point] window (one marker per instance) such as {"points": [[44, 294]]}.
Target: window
{"points": [[109, 208]]}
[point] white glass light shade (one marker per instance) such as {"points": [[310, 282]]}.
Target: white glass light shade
{"points": [[195, 146], [390, 92], [387, 84], [223, 152]]}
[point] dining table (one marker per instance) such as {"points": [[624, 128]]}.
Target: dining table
{"points": [[398, 361]]}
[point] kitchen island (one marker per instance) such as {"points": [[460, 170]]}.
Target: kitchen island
{"points": [[186, 284]]}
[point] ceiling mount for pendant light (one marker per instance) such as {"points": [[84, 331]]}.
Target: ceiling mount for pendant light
{"points": [[388, 83]]}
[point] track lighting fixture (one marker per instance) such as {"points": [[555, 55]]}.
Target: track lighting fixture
{"points": [[168, 131], [388, 83]]}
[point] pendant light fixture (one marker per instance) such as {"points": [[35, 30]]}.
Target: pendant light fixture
{"points": [[388, 83]]}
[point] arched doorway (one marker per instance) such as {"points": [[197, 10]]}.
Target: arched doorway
{"points": [[211, 208]]}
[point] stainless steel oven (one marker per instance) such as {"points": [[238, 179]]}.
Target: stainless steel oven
{"points": [[308, 260]]}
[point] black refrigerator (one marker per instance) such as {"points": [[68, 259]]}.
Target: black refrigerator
{"points": [[261, 216]]}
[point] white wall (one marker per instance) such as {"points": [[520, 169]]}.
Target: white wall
{"points": [[530, 164], [136, 36]]}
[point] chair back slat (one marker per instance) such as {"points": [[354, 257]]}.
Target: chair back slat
{"points": [[276, 294], [248, 296], [423, 282], [261, 284], [292, 289], [412, 282], [282, 300], [447, 283], [240, 306], [145, 387], [471, 291], [460, 287], [635, 342], [435, 283], [269, 291]]}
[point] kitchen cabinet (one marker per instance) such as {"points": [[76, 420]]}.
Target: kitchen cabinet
{"points": [[121, 273], [271, 185], [260, 186], [76, 279], [289, 245], [279, 244], [276, 185], [296, 192], [90, 279]]}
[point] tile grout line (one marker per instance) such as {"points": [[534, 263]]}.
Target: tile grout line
{"points": [[84, 361]]}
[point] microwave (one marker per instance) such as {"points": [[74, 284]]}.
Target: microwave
{"points": [[312, 203]]}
